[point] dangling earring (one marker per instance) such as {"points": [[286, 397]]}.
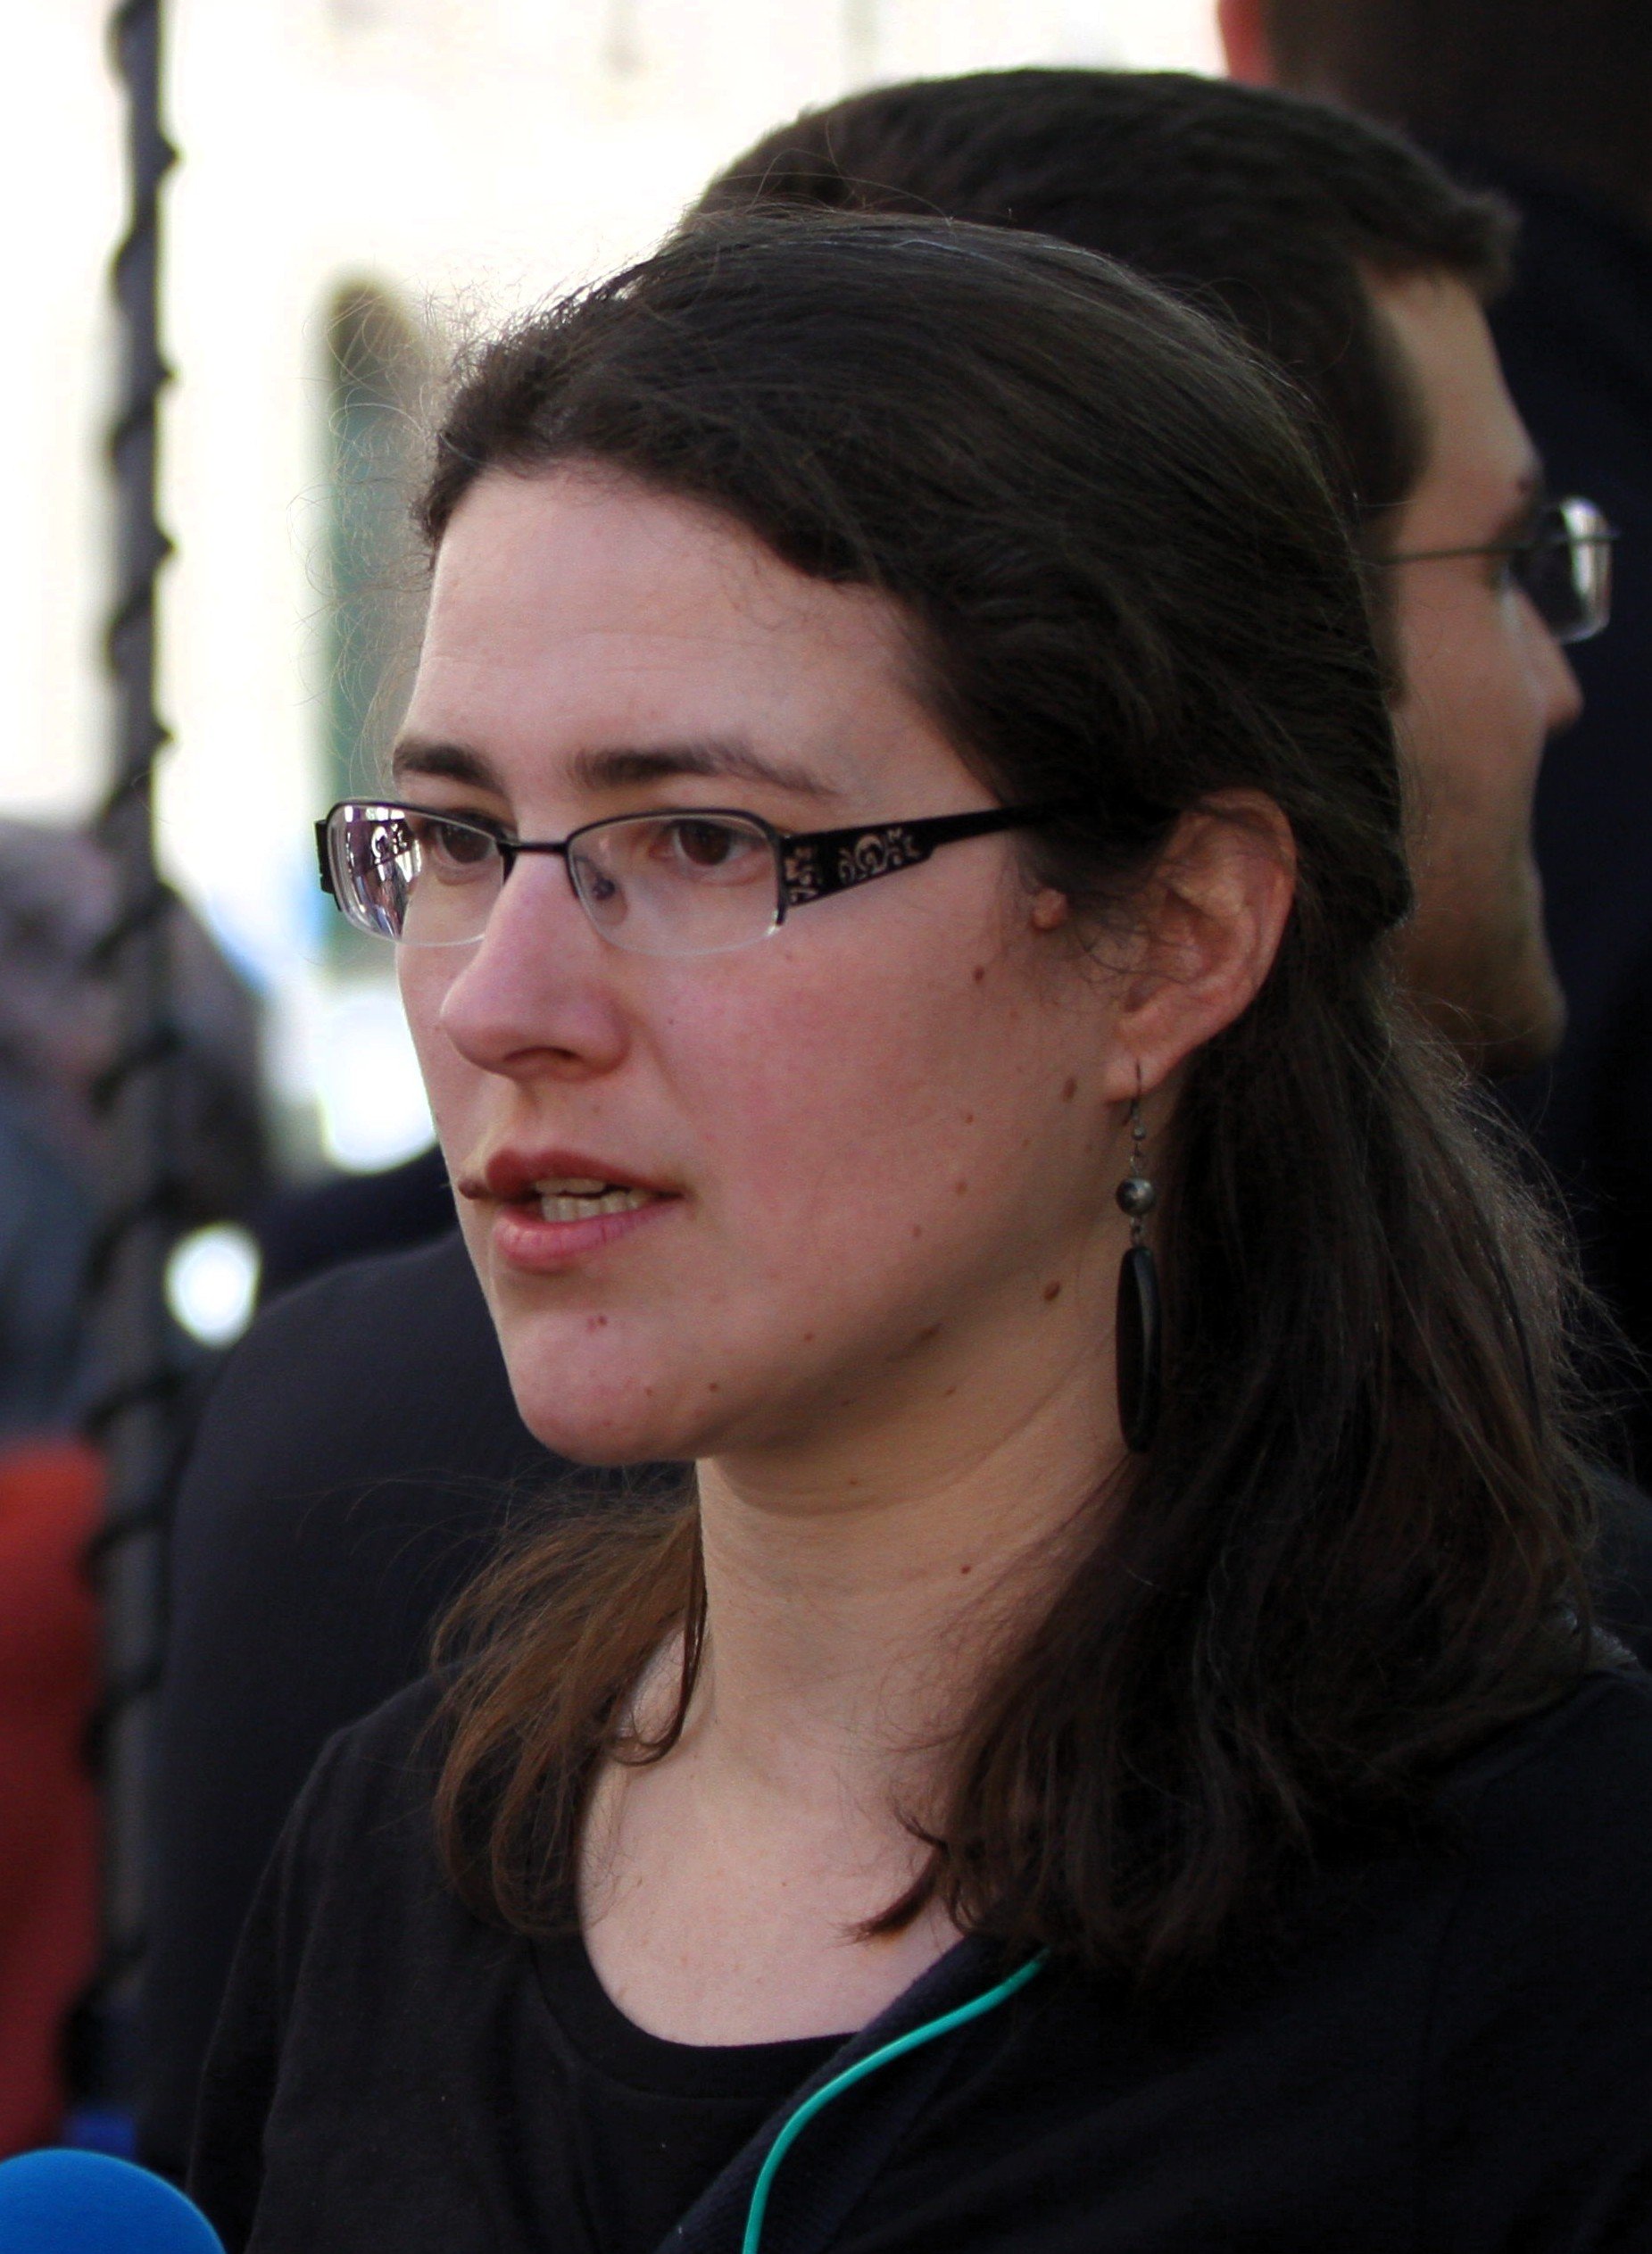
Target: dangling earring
{"points": [[1136, 1333]]}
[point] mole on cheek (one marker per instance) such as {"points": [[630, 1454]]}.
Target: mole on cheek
{"points": [[1052, 1291], [960, 1189], [980, 972], [917, 1228], [596, 1322], [1069, 1092]]}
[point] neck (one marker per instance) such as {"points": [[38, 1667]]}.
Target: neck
{"points": [[856, 1593], [851, 1611]]}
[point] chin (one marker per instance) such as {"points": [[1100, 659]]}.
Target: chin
{"points": [[601, 1426], [600, 1399], [1490, 989], [1527, 1029]]}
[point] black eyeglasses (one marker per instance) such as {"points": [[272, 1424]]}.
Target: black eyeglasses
{"points": [[685, 881], [1563, 565]]}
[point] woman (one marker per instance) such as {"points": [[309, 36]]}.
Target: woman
{"points": [[893, 849]]}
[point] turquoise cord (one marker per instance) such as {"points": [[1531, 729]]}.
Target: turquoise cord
{"points": [[835, 2088]]}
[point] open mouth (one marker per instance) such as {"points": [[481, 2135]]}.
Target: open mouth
{"points": [[579, 1198]]}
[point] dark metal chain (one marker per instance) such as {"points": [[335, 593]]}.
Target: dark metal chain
{"points": [[135, 1422]]}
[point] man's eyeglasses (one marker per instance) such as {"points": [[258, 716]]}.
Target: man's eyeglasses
{"points": [[690, 881], [1563, 565]]}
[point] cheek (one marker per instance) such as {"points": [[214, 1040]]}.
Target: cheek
{"points": [[424, 977], [875, 1121], [1469, 720]]}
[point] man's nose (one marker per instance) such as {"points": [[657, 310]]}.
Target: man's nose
{"points": [[537, 994], [1562, 697]]}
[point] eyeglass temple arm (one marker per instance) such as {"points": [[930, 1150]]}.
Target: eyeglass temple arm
{"points": [[1602, 539], [819, 862], [326, 858]]}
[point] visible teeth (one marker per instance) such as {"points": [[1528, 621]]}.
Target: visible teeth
{"points": [[566, 1206], [569, 1185]]}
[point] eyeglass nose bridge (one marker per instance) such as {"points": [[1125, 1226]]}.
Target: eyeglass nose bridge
{"points": [[514, 848], [511, 850]]}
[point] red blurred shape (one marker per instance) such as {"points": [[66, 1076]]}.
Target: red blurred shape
{"points": [[49, 1496]]}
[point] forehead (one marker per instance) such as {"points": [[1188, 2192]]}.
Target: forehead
{"points": [[1480, 460], [577, 608]]}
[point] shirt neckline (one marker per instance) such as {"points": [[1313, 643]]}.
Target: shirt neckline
{"points": [[593, 2026]]}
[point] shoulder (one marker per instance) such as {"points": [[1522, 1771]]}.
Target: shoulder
{"points": [[1622, 1572], [354, 1967], [1577, 1777], [1539, 2069], [357, 1881], [377, 1774], [1557, 1830]]}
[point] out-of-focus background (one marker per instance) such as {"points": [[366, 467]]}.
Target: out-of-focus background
{"points": [[362, 185], [361, 182]]}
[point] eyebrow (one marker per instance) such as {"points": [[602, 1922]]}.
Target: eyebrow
{"points": [[620, 766], [718, 756], [454, 762]]}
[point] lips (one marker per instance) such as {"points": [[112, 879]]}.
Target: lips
{"points": [[554, 1210], [515, 1176]]}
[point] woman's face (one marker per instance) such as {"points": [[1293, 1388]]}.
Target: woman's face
{"points": [[867, 1162]]}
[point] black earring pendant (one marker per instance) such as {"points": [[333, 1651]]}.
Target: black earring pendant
{"points": [[1137, 1332]]}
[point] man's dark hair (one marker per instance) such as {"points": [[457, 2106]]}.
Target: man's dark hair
{"points": [[1565, 88], [1259, 206]]}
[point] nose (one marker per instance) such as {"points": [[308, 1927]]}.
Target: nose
{"points": [[536, 997], [1561, 697]]}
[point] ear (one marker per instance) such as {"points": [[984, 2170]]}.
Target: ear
{"points": [[1211, 918], [1247, 41]]}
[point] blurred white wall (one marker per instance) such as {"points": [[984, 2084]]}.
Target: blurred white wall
{"points": [[467, 155]]}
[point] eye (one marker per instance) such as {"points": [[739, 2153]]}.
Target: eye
{"points": [[695, 845], [452, 848], [708, 844]]}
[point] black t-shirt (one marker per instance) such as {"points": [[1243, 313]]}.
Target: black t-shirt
{"points": [[650, 2123], [1452, 2055]]}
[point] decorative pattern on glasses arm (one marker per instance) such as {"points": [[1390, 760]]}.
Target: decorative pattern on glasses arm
{"points": [[816, 863]]}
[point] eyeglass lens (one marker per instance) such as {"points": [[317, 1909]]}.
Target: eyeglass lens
{"points": [[677, 884], [1567, 570], [655, 883]]}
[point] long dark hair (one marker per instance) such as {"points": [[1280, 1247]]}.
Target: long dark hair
{"points": [[1353, 1549]]}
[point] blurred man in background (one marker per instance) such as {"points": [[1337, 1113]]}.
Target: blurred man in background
{"points": [[329, 1511], [1366, 274], [1554, 106]]}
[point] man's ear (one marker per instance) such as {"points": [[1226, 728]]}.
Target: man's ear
{"points": [[1210, 920], [1247, 41]]}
